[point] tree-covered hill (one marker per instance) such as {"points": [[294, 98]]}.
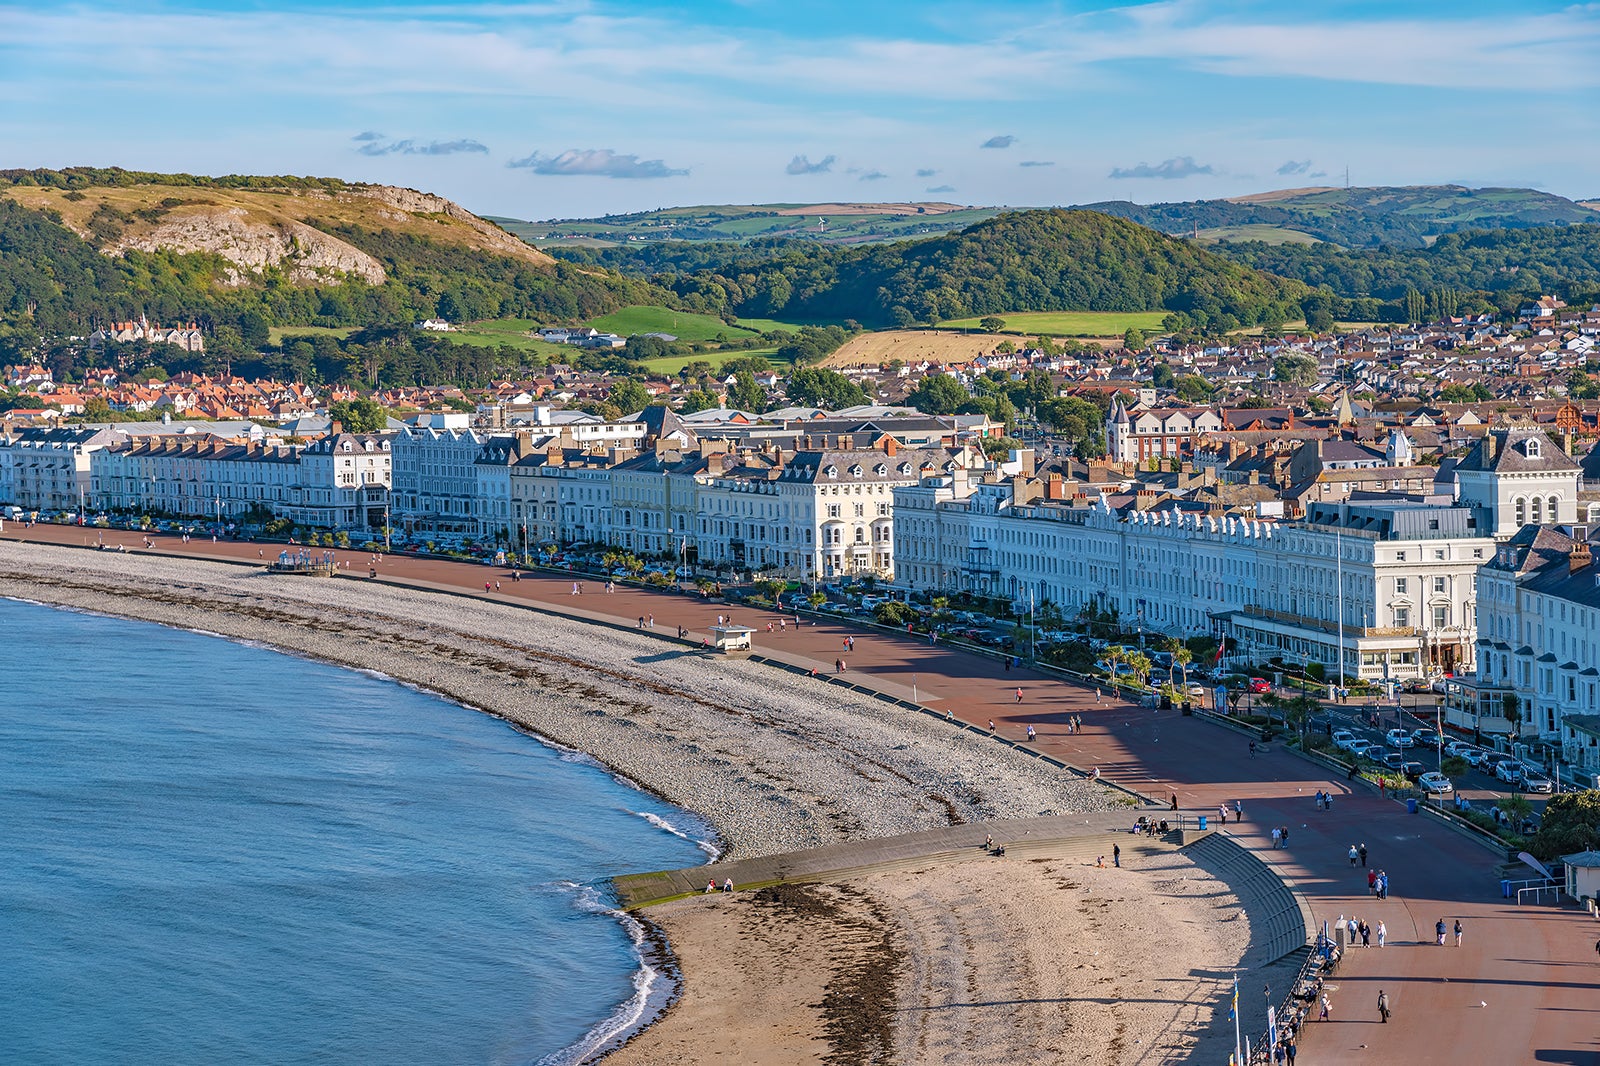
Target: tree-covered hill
{"points": [[1052, 260], [1403, 217]]}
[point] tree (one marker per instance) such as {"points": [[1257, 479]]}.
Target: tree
{"points": [[938, 394], [745, 395], [991, 323], [815, 387], [1162, 377], [629, 396], [1295, 369], [697, 400], [1134, 340], [1192, 388], [1571, 822], [359, 416]]}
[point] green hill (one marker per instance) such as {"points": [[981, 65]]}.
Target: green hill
{"points": [[1054, 260], [83, 246], [1403, 217]]}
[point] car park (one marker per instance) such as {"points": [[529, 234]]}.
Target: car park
{"points": [[1435, 782]]}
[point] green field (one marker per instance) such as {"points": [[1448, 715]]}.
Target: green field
{"points": [[671, 364], [275, 334], [684, 325], [1070, 323], [825, 223], [769, 325], [1257, 232]]}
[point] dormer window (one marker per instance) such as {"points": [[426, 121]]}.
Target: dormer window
{"points": [[1530, 448], [855, 471], [831, 471], [905, 469], [880, 470]]}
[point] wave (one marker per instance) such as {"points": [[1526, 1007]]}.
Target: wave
{"points": [[713, 853], [654, 984]]}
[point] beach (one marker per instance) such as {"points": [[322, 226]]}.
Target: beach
{"points": [[987, 961]]}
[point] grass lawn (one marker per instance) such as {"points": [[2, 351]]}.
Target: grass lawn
{"points": [[769, 325], [275, 334], [684, 325], [1070, 323], [671, 364], [511, 332]]}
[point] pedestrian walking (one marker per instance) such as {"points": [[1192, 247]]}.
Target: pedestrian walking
{"points": [[1353, 855], [1116, 856], [1285, 835], [1439, 930], [1277, 837], [1372, 882], [1383, 1005], [1238, 810], [1383, 933], [1289, 1049], [1363, 850], [1319, 799], [1252, 749], [1327, 1009], [1019, 695], [1030, 732], [1008, 664], [991, 725], [1327, 801], [1222, 813], [1097, 693], [1458, 932], [1174, 801], [1366, 934]]}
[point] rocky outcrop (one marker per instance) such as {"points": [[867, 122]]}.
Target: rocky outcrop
{"points": [[491, 237], [303, 253]]}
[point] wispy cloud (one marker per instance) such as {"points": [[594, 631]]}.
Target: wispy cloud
{"points": [[926, 172], [999, 140], [943, 188], [873, 175], [1295, 167], [595, 162], [376, 144], [802, 165], [1037, 163], [1168, 169]]}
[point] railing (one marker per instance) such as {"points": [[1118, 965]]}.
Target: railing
{"points": [[1536, 886]]}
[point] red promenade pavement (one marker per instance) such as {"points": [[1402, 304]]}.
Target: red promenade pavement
{"points": [[1535, 967]]}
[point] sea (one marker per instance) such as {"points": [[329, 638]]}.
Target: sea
{"points": [[214, 852]]}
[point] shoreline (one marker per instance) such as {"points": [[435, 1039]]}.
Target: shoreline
{"points": [[750, 809]]}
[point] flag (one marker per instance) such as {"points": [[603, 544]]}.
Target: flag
{"points": [[1222, 646]]}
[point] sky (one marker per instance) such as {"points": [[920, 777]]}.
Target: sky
{"points": [[576, 108]]}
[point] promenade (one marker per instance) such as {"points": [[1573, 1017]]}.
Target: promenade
{"points": [[1534, 970]]}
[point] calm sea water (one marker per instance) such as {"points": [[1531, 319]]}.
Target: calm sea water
{"points": [[213, 853]]}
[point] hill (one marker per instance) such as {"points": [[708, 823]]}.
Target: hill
{"points": [[1051, 260], [267, 251], [838, 223], [1403, 217]]}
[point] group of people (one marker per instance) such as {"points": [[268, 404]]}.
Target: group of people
{"points": [[1357, 928], [1378, 883], [711, 885], [1324, 800]]}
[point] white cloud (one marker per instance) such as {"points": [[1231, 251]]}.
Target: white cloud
{"points": [[1293, 167], [595, 162], [999, 140], [943, 188], [873, 175], [926, 172], [376, 144], [1168, 169]]}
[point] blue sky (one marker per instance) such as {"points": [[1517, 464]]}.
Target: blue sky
{"points": [[569, 108]]}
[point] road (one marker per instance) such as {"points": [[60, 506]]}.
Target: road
{"points": [[1524, 987]]}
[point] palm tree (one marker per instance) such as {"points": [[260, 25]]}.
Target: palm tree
{"points": [[1114, 654], [1140, 662], [1181, 658]]}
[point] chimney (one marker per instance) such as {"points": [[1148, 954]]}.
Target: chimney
{"points": [[336, 427], [1053, 488], [890, 445], [1579, 559]]}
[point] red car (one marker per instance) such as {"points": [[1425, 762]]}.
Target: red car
{"points": [[1260, 684]]}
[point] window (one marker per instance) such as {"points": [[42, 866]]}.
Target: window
{"points": [[1399, 557], [1400, 585], [1441, 616], [1402, 617], [1530, 448], [1521, 510], [1438, 584], [1438, 553], [1538, 510], [1555, 509]]}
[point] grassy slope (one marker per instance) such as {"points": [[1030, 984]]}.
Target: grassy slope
{"points": [[845, 223], [684, 325], [1267, 234], [1070, 323]]}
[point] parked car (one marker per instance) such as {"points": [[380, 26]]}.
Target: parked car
{"points": [[1458, 747], [1358, 748], [1413, 769], [1342, 739], [1194, 690], [1435, 782], [1415, 684], [1394, 760], [1260, 684], [1508, 770], [1427, 738], [1536, 780], [1441, 685], [1399, 738], [1477, 757]]}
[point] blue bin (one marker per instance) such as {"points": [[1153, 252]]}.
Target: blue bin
{"points": [[1505, 889], [1202, 821], [1411, 806]]}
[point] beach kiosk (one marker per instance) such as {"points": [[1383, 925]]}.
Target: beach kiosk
{"points": [[1583, 875], [730, 638]]}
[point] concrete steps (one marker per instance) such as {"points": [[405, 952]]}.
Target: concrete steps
{"points": [[1280, 922]]}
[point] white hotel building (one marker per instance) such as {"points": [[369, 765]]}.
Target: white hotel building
{"points": [[1395, 578]]}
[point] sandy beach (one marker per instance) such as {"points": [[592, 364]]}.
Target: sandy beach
{"points": [[989, 961]]}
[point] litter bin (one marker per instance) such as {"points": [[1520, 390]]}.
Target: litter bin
{"points": [[1411, 806], [1505, 889], [1202, 821], [1188, 709]]}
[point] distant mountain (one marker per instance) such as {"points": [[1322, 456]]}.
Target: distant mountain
{"points": [[834, 223], [1400, 217]]}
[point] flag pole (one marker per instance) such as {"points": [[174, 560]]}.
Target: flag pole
{"points": [[1237, 1049]]}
